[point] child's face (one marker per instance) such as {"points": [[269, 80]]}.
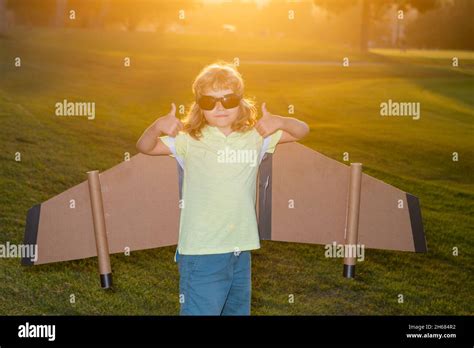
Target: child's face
{"points": [[220, 116]]}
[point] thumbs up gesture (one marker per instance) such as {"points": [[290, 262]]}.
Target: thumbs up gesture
{"points": [[269, 123], [169, 124]]}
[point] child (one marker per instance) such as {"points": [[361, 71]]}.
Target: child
{"points": [[218, 143]]}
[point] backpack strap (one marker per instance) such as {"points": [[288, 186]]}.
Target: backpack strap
{"points": [[266, 142], [180, 160]]}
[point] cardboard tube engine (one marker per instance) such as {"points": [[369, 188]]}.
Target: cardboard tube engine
{"points": [[352, 223], [100, 232]]}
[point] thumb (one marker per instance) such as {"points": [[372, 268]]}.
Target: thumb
{"points": [[264, 109]]}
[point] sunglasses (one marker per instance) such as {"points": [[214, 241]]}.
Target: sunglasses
{"points": [[229, 101]]}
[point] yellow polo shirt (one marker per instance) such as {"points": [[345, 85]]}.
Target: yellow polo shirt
{"points": [[219, 190]]}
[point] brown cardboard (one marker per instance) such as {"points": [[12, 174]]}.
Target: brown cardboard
{"points": [[353, 206], [140, 200], [318, 186], [141, 196], [98, 219]]}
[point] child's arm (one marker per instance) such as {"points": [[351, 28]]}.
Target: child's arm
{"points": [[293, 129], [150, 144]]}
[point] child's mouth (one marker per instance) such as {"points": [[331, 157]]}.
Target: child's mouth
{"points": [[221, 115]]}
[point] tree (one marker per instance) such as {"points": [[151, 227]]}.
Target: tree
{"points": [[33, 12], [96, 13], [450, 26], [373, 9]]}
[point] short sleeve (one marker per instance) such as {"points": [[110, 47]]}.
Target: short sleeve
{"points": [[274, 139], [180, 141]]}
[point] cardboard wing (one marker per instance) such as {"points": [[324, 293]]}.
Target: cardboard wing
{"points": [[141, 209], [302, 197]]}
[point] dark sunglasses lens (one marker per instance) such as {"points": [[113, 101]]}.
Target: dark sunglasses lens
{"points": [[231, 102], [207, 103]]}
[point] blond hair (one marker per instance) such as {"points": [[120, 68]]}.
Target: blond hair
{"points": [[215, 76]]}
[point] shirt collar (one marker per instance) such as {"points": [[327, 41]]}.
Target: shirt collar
{"points": [[214, 131]]}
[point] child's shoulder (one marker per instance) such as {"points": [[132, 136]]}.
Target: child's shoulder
{"points": [[253, 133], [183, 135]]}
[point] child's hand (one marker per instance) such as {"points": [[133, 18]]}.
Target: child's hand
{"points": [[169, 124], [269, 123]]}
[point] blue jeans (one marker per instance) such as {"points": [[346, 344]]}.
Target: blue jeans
{"points": [[215, 284]]}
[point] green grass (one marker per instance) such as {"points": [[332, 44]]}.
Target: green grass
{"points": [[340, 104]]}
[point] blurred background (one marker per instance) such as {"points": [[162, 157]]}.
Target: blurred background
{"points": [[441, 24], [331, 63]]}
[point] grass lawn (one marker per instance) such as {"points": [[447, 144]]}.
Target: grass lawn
{"points": [[341, 104]]}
